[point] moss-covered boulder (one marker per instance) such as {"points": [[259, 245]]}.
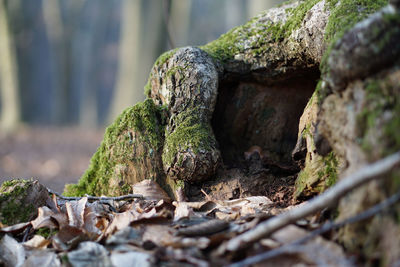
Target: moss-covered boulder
{"points": [[20, 199], [130, 152]]}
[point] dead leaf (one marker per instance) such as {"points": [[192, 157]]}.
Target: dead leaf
{"points": [[159, 234], [52, 203], [125, 236], [182, 210], [89, 254], [44, 219], [317, 251], [16, 228], [90, 222], [132, 258], [67, 237], [75, 212], [11, 252], [121, 221], [150, 190], [201, 242], [42, 258], [37, 241]]}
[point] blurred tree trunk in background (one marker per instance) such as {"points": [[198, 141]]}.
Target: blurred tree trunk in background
{"points": [[93, 24], [10, 108], [129, 51], [58, 42], [179, 21], [141, 42]]}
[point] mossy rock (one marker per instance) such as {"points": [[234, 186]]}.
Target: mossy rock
{"points": [[129, 153], [20, 199]]}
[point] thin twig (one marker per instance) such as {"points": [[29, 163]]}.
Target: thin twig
{"points": [[93, 198], [328, 198], [325, 228]]}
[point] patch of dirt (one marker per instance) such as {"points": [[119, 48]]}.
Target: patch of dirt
{"points": [[55, 156], [250, 177]]}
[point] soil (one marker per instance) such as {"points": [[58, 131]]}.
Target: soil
{"points": [[250, 177], [54, 156]]}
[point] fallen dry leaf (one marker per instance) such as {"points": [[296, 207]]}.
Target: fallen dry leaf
{"points": [[150, 190], [75, 212], [128, 235], [16, 228], [11, 252], [317, 251], [42, 258], [44, 218], [89, 254], [159, 234], [132, 258], [182, 210], [37, 241]]}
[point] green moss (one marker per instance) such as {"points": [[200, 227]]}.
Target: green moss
{"points": [[319, 174], [295, 18], [189, 134], [329, 172], [344, 15], [145, 118], [307, 131], [46, 232], [11, 208], [378, 136], [232, 43]]}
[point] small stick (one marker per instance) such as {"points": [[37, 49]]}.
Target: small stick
{"points": [[92, 198], [325, 228], [328, 198]]}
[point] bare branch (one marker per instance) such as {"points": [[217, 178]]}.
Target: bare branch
{"points": [[328, 198], [325, 228], [92, 198]]}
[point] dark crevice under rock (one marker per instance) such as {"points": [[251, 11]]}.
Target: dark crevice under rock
{"points": [[256, 126]]}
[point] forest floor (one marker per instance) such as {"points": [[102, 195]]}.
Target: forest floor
{"points": [[53, 155], [149, 229]]}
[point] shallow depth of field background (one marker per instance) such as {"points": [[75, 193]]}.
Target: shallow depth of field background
{"points": [[69, 67]]}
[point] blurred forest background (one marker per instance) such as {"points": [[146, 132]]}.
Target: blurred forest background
{"points": [[69, 67]]}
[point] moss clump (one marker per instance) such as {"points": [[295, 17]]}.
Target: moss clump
{"points": [[14, 208], [295, 18], [46, 232], [262, 35], [139, 126], [329, 172], [319, 174], [190, 133], [379, 122], [159, 62]]}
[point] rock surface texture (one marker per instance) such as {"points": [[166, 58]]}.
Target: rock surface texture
{"points": [[20, 199], [296, 98]]}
